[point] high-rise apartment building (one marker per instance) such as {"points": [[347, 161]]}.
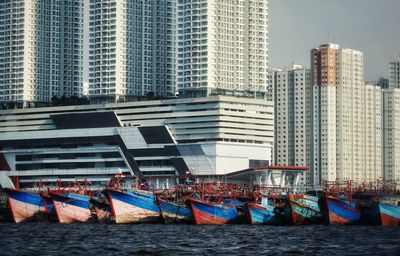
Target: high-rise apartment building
{"points": [[135, 49], [394, 73], [324, 76], [391, 134], [349, 115], [372, 128], [292, 90], [222, 47], [131, 49], [391, 124], [41, 50], [346, 118]]}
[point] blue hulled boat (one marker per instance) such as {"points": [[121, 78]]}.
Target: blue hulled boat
{"points": [[384, 214], [263, 213], [175, 213], [25, 206], [102, 209], [130, 206], [48, 203], [303, 209], [71, 207], [338, 211], [214, 213]]}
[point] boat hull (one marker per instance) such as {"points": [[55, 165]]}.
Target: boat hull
{"points": [[48, 203], [206, 213], [303, 209], [103, 211], [384, 214], [25, 206], [258, 214], [132, 207], [71, 208], [175, 213], [335, 211]]}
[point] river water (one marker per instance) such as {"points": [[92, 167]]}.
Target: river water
{"points": [[157, 239]]}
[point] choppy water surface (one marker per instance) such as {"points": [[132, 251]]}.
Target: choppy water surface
{"points": [[96, 239]]}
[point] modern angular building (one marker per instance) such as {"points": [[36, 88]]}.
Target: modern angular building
{"points": [[41, 50], [222, 47], [131, 49], [89, 146], [292, 90], [160, 139]]}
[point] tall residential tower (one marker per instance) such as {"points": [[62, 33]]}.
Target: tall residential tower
{"points": [[391, 124], [346, 118], [324, 76], [41, 50], [292, 90], [222, 47], [391, 134], [131, 49]]}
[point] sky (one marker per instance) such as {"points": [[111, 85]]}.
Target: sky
{"points": [[370, 26]]}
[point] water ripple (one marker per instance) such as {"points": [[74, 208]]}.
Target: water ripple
{"points": [[51, 239]]}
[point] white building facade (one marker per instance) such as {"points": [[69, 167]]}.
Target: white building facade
{"points": [[291, 89], [349, 113], [391, 124], [373, 132], [131, 49], [346, 118], [222, 47], [391, 134], [135, 48], [323, 145], [220, 134], [41, 53]]}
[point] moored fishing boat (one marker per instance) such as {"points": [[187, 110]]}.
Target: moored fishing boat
{"points": [[129, 206], [102, 209], [25, 206], [303, 209], [48, 204], [71, 207], [264, 212], [258, 214], [384, 214], [336, 211], [214, 213], [175, 213]]}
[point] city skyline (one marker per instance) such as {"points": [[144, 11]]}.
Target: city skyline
{"points": [[328, 119], [365, 25], [311, 24]]}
